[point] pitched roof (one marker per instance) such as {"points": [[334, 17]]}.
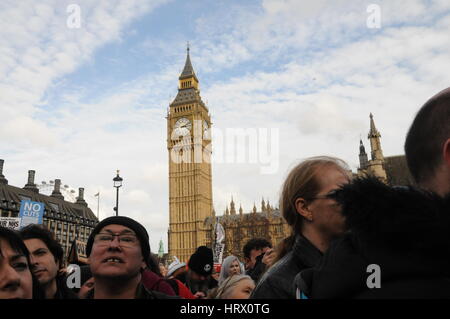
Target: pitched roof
{"points": [[188, 70], [10, 198]]}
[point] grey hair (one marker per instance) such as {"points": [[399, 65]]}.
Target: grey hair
{"points": [[225, 269]]}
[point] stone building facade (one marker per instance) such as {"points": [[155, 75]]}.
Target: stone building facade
{"points": [[68, 221]]}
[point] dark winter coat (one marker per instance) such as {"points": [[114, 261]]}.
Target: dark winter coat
{"points": [[404, 231], [62, 291], [277, 281]]}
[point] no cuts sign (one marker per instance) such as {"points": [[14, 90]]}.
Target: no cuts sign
{"points": [[31, 212]]}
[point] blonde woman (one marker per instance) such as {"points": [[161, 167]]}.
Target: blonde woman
{"points": [[315, 220], [230, 266]]}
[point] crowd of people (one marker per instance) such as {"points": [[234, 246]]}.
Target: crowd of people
{"points": [[340, 228]]}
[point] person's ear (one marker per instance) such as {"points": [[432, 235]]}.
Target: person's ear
{"points": [[301, 206], [446, 153]]}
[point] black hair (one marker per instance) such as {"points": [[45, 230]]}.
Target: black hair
{"points": [[39, 232], [427, 135], [153, 264], [18, 245], [255, 243]]}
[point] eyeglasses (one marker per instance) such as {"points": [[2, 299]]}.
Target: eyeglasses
{"points": [[125, 240], [325, 196]]}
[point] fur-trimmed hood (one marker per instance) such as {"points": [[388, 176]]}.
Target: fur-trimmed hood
{"points": [[403, 218], [403, 230]]}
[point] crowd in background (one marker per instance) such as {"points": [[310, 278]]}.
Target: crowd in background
{"points": [[340, 229]]}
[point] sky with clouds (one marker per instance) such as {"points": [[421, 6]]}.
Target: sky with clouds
{"points": [[77, 103]]}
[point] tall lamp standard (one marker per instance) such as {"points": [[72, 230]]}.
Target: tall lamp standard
{"points": [[117, 184]]}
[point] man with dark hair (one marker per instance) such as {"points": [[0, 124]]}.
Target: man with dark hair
{"points": [[427, 145], [46, 256], [257, 255]]}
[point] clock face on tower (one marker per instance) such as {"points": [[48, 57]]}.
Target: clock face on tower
{"points": [[182, 127]]}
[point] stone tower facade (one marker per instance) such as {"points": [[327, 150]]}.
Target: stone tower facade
{"points": [[190, 180]]}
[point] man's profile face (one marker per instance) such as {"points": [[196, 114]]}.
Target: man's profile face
{"points": [[43, 263], [114, 258], [253, 254]]}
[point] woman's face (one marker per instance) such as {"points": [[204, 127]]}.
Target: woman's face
{"points": [[235, 268], [327, 215], [242, 290], [15, 274]]}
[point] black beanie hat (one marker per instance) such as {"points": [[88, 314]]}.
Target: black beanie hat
{"points": [[202, 261], [140, 231]]}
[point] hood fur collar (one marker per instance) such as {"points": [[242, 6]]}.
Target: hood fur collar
{"points": [[399, 217]]}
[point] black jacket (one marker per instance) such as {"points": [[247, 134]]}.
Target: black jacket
{"points": [[277, 281], [62, 291], [405, 231]]}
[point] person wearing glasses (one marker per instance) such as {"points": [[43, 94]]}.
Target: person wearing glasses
{"points": [[398, 241], [118, 251], [314, 218]]}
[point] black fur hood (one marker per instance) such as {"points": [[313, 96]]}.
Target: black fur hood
{"points": [[403, 230], [401, 218]]}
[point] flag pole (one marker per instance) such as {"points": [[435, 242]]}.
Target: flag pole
{"points": [[98, 205]]}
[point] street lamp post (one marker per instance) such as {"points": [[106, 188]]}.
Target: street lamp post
{"points": [[117, 184]]}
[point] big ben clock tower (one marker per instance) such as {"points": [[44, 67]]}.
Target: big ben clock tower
{"points": [[190, 185]]}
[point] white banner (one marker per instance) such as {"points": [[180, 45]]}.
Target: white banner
{"points": [[10, 222]]}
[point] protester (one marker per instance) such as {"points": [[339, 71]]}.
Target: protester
{"points": [[427, 145], [176, 268], [16, 278], [118, 250], [234, 287], [230, 266], [46, 256], [175, 272], [198, 279], [163, 269], [399, 239], [258, 253], [314, 218], [87, 282]]}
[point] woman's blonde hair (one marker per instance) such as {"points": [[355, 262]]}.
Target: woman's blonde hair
{"points": [[226, 287], [302, 182]]}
